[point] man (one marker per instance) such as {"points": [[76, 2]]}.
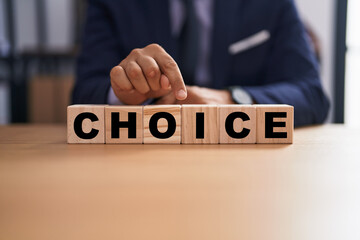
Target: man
{"points": [[199, 51]]}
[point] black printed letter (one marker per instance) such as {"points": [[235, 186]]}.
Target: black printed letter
{"points": [[171, 125], [270, 124], [229, 125], [116, 124], [78, 125]]}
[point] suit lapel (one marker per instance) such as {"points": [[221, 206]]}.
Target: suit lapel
{"points": [[225, 25]]}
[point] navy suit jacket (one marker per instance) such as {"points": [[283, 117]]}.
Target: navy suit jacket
{"points": [[281, 70]]}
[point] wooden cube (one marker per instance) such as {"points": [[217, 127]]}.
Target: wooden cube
{"points": [[86, 124], [200, 124], [275, 123], [124, 124], [162, 124], [237, 124]]}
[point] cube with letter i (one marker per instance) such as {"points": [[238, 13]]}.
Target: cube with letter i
{"points": [[200, 124]]}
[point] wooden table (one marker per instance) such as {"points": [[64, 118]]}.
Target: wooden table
{"points": [[51, 190]]}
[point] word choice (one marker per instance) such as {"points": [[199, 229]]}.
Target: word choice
{"points": [[175, 124]]}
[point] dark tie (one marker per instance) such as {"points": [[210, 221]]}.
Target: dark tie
{"points": [[189, 43]]}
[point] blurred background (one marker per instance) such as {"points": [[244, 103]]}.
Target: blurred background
{"points": [[39, 40]]}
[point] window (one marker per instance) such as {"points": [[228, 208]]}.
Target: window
{"points": [[352, 76]]}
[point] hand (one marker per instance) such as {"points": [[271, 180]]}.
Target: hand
{"points": [[149, 72], [199, 95]]}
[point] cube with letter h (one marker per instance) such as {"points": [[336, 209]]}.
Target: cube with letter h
{"points": [[124, 124]]}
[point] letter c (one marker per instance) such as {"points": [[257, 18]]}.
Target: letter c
{"points": [[78, 125], [229, 125]]}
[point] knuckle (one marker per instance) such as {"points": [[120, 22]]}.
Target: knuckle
{"points": [[136, 52], [155, 46], [152, 72], [115, 72], [170, 64], [123, 62], [133, 72]]}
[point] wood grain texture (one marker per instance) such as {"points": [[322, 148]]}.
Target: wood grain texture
{"points": [[74, 110], [149, 111], [123, 112], [239, 125], [211, 124], [53, 190], [261, 111]]}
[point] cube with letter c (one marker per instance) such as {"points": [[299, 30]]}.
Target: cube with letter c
{"points": [[237, 124], [86, 124]]}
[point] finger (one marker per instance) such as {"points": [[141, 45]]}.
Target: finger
{"points": [[151, 71], [167, 99], [158, 94], [119, 80], [131, 97], [164, 81], [136, 77], [169, 67]]}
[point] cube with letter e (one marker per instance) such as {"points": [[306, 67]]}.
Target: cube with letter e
{"points": [[275, 123]]}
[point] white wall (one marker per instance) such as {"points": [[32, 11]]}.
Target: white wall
{"points": [[59, 15], [25, 22], [60, 23], [320, 14]]}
